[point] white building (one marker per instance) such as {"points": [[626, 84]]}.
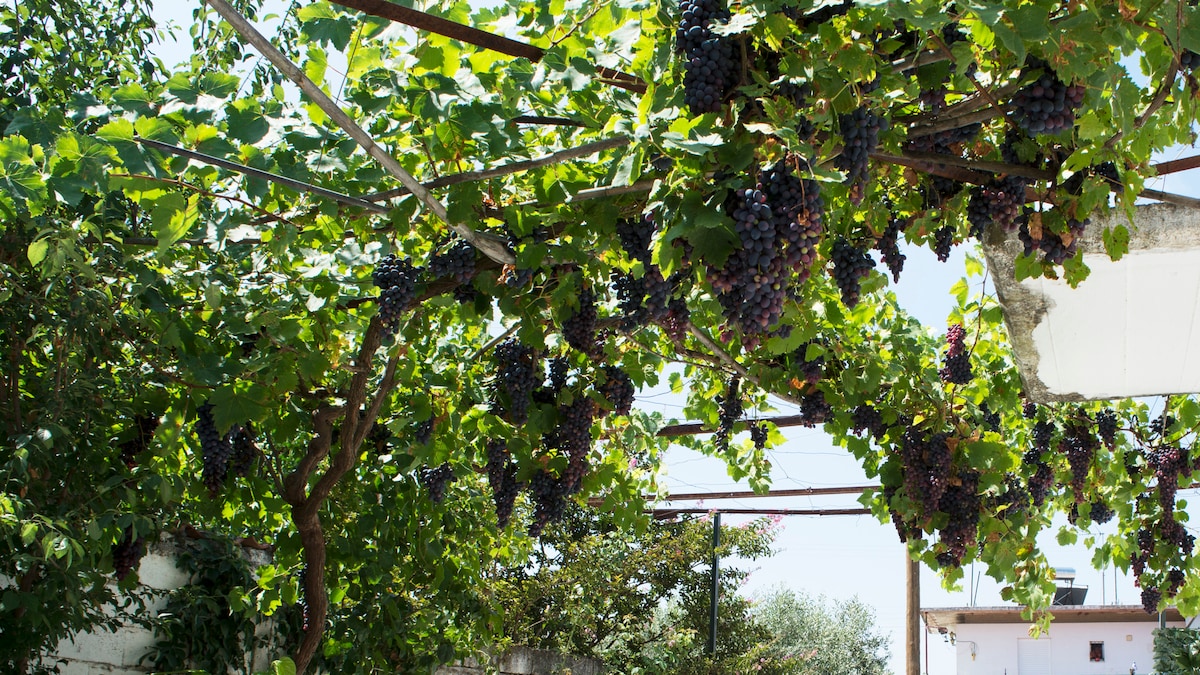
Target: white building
{"points": [[1082, 640]]}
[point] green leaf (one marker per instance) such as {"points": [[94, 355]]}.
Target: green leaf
{"points": [[1010, 40], [37, 251], [1116, 241], [1032, 22], [284, 666], [173, 216]]}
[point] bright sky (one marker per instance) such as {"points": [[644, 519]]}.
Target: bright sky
{"points": [[842, 556]]}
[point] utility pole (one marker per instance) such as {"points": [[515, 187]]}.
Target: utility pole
{"points": [[912, 645]]}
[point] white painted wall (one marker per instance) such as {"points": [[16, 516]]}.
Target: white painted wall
{"points": [[995, 647], [120, 652]]}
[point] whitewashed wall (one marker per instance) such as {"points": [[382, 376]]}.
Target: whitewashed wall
{"points": [[120, 652], [996, 645]]}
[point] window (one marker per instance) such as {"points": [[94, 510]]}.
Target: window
{"points": [[1097, 651]]}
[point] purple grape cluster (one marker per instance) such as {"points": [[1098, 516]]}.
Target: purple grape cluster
{"points": [[999, 202], [758, 435], [518, 373], [215, 450], [778, 225], [1106, 426], [144, 428], [696, 16], [860, 136], [810, 371], [961, 502], [751, 285], [956, 367], [1055, 248], [617, 389], [926, 463], [814, 409], [1151, 597], [635, 235], [579, 329], [888, 246], [644, 299], [730, 411], [1047, 105], [423, 432], [1079, 445], [710, 61], [245, 449], [457, 262], [573, 437], [799, 216], [943, 241], [127, 553], [549, 500], [850, 266], [1101, 512], [866, 418], [435, 481], [397, 282], [1043, 476], [502, 477]]}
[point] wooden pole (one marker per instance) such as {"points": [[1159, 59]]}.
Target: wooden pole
{"points": [[715, 595], [489, 245], [912, 646]]}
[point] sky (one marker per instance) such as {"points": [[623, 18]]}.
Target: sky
{"points": [[844, 556]]}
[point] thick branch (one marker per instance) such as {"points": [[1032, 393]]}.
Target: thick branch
{"points": [[659, 514], [982, 165], [696, 428], [511, 168], [316, 600], [489, 245], [479, 38], [294, 483], [356, 395], [292, 183], [729, 361]]}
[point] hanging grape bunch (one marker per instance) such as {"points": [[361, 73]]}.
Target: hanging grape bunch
{"points": [[710, 65], [860, 136], [850, 266], [518, 372], [730, 406], [1048, 105], [457, 262], [797, 208], [127, 553], [215, 450], [956, 368], [502, 477], [397, 282], [579, 329], [888, 246], [618, 390], [436, 480]]}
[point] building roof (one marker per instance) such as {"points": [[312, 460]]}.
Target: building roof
{"points": [[940, 618]]}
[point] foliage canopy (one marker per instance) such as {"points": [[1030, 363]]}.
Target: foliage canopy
{"points": [[140, 287]]}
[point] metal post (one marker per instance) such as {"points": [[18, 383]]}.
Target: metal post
{"points": [[716, 585]]}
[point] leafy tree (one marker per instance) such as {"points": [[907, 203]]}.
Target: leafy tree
{"points": [[822, 636], [639, 601], [142, 287]]}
